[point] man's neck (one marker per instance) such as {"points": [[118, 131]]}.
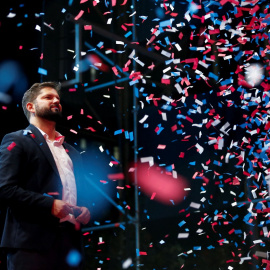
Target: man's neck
{"points": [[46, 126]]}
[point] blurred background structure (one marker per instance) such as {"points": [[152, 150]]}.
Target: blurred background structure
{"points": [[168, 103]]}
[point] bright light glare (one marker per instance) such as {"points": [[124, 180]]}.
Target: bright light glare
{"points": [[193, 8], [159, 186], [254, 74]]}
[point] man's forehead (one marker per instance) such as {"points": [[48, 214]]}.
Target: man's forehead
{"points": [[48, 90]]}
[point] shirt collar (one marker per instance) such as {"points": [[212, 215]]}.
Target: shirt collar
{"points": [[58, 138]]}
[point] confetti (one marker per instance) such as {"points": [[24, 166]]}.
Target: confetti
{"points": [[79, 15], [11, 146], [200, 73]]}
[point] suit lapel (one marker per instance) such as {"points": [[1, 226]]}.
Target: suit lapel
{"points": [[69, 151], [42, 144]]}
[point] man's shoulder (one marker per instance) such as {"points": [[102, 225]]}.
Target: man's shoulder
{"points": [[18, 134], [14, 133]]}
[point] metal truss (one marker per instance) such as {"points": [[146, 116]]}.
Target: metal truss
{"points": [[78, 40]]}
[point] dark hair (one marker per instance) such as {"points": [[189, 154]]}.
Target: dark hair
{"points": [[31, 94]]}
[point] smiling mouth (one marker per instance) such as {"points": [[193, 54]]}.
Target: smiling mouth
{"points": [[56, 108]]}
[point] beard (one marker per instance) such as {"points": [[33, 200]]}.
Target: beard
{"points": [[48, 113]]}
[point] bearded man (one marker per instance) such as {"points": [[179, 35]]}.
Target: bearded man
{"points": [[40, 185]]}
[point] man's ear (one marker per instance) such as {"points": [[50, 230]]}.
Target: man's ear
{"points": [[30, 107]]}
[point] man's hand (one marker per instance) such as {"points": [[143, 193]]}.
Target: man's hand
{"points": [[61, 209], [82, 214]]}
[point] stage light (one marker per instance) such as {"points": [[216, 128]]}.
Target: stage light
{"points": [[254, 74], [97, 62], [161, 185], [160, 12], [12, 77], [193, 8], [73, 258], [100, 186]]}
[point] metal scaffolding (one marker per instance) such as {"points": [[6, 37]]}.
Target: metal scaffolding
{"points": [[135, 220]]}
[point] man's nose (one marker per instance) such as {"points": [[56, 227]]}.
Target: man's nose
{"points": [[56, 100]]}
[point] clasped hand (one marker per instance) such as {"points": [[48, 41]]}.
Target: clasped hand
{"points": [[61, 209]]}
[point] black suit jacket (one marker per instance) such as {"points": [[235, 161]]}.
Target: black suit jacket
{"points": [[29, 182]]}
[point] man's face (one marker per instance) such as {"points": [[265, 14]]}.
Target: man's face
{"points": [[47, 105]]}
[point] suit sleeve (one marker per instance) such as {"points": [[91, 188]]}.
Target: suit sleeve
{"points": [[12, 162]]}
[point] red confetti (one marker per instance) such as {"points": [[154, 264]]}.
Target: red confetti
{"points": [[11, 146]]}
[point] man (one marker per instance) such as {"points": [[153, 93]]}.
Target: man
{"points": [[39, 184]]}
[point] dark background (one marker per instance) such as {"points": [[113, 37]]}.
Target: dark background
{"points": [[219, 234]]}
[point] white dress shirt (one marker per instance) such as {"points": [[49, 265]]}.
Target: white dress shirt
{"points": [[65, 168]]}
